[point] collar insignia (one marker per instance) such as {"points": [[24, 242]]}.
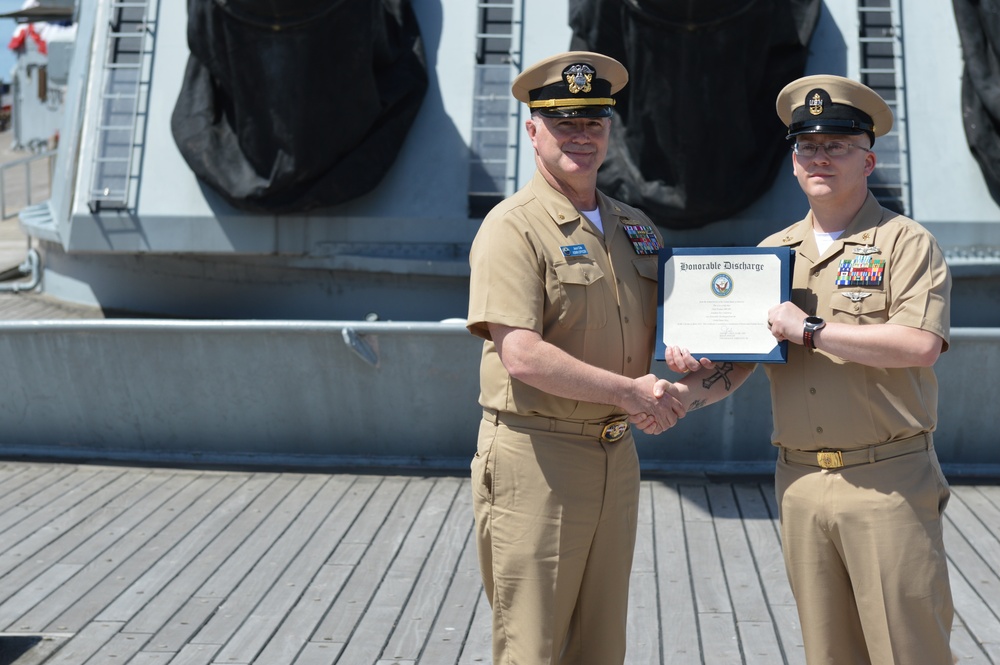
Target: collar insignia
{"points": [[786, 239], [816, 105], [865, 236], [855, 296], [578, 78], [865, 250]]}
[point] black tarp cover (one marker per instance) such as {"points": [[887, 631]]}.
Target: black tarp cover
{"points": [[979, 29], [696, 137], [290, 105]]}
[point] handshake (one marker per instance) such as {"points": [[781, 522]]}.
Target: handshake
{"points": [[655, 405]]}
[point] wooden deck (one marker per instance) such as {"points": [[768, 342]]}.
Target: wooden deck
{"points": [[143, 566]]}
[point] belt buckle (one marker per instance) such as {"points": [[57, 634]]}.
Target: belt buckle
{"points": [[614, 431], [829, 459]]}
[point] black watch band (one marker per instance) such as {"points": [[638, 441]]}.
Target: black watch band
{"points": [[809, 328]]}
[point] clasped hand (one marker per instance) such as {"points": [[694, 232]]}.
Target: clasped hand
{"points": [[654, 405]]}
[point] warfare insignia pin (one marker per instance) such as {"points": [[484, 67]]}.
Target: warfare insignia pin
{"points": [[865, 250], [855, 296], [578, 78], [816, 104]]}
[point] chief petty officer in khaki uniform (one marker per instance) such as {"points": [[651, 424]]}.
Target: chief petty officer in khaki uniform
{"points": [[563, 290], [859, 487]]}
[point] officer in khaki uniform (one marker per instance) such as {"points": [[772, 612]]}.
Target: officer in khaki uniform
{"points": [[563, 291], [859, 488]]}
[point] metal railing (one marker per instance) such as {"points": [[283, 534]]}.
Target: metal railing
{"points": [[32, 186]]}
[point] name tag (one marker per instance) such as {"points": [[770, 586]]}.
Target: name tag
{"points": [[574, 250]]}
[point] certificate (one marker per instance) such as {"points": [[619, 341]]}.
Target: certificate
{"points": [[714, 301]]}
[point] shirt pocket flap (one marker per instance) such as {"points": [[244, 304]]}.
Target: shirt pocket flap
{"points": [[648, 268], [578, 272]]}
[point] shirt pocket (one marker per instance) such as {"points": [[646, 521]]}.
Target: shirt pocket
{"points": [[851, 307], [582, 298], [647, 271]]}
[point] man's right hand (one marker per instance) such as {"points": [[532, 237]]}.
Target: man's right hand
{"points": [[654, 406]]}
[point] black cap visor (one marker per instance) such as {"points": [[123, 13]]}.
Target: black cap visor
{"points": [[575, 111]]}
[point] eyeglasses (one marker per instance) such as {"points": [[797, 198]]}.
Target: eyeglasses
{"points": [[832, 149]]}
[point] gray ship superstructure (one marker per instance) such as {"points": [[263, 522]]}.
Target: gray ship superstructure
{"points": [[334, 333]]}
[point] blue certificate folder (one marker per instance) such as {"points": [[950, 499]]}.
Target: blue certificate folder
{"points": [[713, 301]]}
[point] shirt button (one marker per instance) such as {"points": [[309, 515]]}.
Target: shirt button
{"points": [[857, 308], [812, 391], [625, 319], [819, 430], [629, 359]]}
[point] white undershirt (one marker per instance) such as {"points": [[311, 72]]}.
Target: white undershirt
{"points": [[595, 216], [824, 240]]}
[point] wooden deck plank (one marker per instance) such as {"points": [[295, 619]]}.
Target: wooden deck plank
{"points": [[83, 645], [707, 574], [380, 570], [298, 561], [447, 561], [95, 577], [158, 555], [375, 628], [194, 548], [392, 510], [643, 620], [461, 631], [745, 591], [972, 553], [301, 621], [70, 531], [236, 586], [220, 552], [680, 640], [478, 647], [18, 521], [976, 617]]}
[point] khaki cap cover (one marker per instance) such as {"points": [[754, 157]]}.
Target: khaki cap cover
{"points": [[842, 91], [550, 70]]}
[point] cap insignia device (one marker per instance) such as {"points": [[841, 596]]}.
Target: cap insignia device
{"points": [[816, 104], [578, 78]]}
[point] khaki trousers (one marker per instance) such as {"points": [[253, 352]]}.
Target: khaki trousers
{"points": [[865, 558], [555, 525]]}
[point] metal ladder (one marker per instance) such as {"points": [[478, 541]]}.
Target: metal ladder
{"points": [[881, 69], [493, 159], [129, 40]]}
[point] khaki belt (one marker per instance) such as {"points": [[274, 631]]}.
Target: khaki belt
{"points": [[836, 459], [607, 431]]}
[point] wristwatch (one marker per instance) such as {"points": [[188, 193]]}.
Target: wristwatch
{"points": [[809, 328]]}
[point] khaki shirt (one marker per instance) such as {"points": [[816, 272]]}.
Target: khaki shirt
{"points": [[821, 401], [538, 263]]}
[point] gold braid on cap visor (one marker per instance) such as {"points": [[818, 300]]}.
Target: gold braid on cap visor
{"points": [[582, 101]]}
